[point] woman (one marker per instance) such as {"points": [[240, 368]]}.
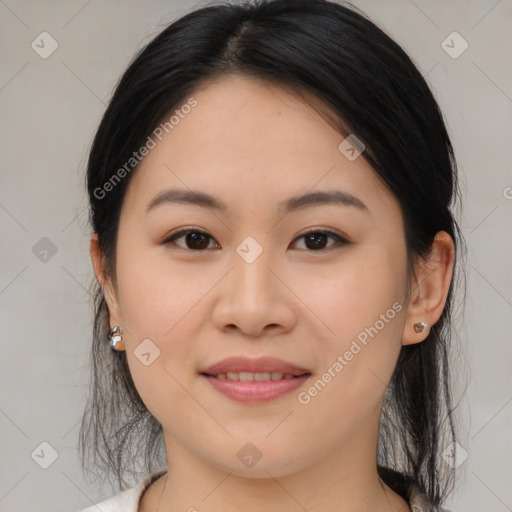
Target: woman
{"points": [[270, 192]]}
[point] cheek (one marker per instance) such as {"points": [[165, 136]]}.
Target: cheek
{"points": [[154, 294], [161, 303], [351, 295], [360, 318]]}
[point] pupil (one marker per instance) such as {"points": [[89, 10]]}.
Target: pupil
{"points": [[195, 238], [315, 238]]}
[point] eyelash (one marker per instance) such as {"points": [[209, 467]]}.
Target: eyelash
{"points": [[340, 241]]}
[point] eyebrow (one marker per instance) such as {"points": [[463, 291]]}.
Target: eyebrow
{"points": [[202, 199]]}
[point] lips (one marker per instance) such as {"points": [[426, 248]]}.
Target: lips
{"points": [[257, 366], [254, 381]]}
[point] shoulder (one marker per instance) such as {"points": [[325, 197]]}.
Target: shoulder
{"points": [[125, 501], [419, 502]]}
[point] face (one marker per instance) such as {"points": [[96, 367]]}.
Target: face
{"points": [[320, 286]]}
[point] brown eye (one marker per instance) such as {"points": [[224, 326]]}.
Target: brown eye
{"points": [[194, 240], [317, 240]]}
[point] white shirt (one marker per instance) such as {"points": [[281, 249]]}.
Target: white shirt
{"points": [[128, 500]]}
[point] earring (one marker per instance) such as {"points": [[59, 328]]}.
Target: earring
{"points": [[419, 326], [116, 340]]}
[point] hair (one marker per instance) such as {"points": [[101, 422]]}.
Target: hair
{"points": [[362, 83]]}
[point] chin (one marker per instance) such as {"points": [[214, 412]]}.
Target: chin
{"points": [[264, 467]]}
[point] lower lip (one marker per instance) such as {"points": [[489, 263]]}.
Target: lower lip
{"points": [[255, 391]]}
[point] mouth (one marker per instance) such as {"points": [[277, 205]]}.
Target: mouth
{"points": [[254, 380], [255, 376]]}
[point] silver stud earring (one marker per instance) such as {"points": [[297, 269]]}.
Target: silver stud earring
{"points": [[116, 339]]}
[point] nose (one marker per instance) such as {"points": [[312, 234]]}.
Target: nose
{"points": [[254, 297]]}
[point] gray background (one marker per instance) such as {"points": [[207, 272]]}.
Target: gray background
{"points": [[50, 109]]}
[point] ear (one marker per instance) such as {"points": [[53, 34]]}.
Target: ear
{"points": [[105, 282], [429, 291]]}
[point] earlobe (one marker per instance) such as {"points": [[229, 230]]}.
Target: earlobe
{"points": [[430, 290], [105, 283]]}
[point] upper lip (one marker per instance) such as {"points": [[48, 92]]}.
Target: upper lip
{"points": [[259, 365]]}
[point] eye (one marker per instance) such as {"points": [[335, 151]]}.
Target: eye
{"points": [[194, 239], [316, 240], [197, 240]]}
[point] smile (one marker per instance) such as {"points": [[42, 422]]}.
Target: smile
{"points": [[251, 387]]}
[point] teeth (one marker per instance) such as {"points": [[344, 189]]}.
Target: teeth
{"points": [[250, 376]]}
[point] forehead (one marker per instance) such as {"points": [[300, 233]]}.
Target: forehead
{"points": [[251, 140]]}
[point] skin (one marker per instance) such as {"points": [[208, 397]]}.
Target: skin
{"points": [[253, 145]]}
